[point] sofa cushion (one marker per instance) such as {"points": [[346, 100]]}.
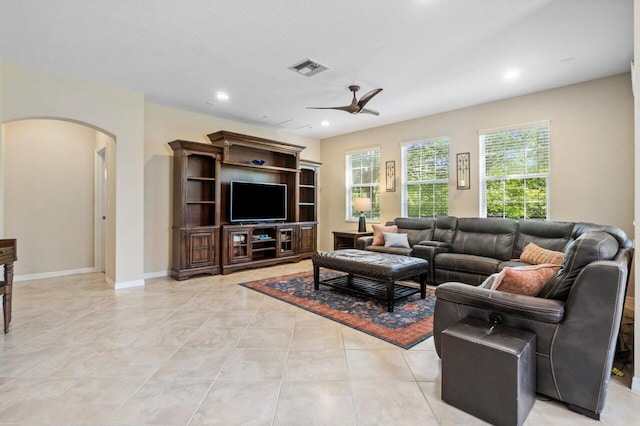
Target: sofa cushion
{"points": [[536, 255], [617, 233], [416, 235], [526, 280], [487, 237], [445, 228], [546, 234], [417, 228], [467, 263], [589, 247], [391, 239], [378, 230]]}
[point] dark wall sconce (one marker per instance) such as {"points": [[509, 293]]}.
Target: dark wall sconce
{"points": [[463, 172]]}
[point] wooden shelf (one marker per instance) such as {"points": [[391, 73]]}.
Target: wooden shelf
{"points": [[264, 167], [196, 209], [203, 239], [200, 178]]}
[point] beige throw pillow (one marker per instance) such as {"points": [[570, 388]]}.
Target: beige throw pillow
{"points": [[378, 236], [526, 280], [391, 239], [537, 255]]}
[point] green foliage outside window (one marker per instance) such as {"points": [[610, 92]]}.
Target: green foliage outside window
{"points": [[426, 180], [516, 173], [363, 180]]}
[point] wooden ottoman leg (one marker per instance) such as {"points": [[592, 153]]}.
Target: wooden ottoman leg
{"points": [[423, 286], [390, 295]]}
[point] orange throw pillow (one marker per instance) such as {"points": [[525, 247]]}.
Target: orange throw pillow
{"points": [[537, 255], [526, 280], [378, 236]]}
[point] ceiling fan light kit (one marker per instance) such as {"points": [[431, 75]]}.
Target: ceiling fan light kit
{"points": [[356, 106]]}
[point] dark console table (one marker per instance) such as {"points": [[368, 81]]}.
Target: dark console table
{"points": [[7, 257], [347, 239]]}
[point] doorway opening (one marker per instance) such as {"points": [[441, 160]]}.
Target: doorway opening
{"points": [[59, 197]]}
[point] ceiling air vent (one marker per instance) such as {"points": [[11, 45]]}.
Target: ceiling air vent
{"points": [[308, 67], [293, 124]]}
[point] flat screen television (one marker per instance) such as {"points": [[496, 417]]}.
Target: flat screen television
{"points": [[257, 202]]}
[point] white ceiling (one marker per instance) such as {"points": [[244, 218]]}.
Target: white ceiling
{"points": [[429, 56]]}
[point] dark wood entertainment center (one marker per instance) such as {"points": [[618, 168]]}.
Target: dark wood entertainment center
{"points": [[204, 238]]}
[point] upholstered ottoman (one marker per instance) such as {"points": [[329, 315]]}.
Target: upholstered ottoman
{"points": [[371, 274], [489, 371]]}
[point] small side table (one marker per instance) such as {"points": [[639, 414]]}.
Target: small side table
{"points": [[347, 239], [7, 257]]}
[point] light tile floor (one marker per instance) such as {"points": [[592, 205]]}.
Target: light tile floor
{"points": [[207, 351]]}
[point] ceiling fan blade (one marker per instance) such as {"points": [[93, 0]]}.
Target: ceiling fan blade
{"points": [[349, 108], [367, 97], [369, 111], [356, 106]]}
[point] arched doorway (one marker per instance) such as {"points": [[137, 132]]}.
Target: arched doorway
{"points": [[55, 196]]}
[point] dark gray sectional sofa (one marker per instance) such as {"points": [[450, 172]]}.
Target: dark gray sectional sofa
{"points": [[576, 317], [469, 250]]}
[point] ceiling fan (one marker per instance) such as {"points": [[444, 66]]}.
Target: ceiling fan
{"points": [[356, 106]]}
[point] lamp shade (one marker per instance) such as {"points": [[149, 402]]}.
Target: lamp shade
{"points": [[362, 204]]}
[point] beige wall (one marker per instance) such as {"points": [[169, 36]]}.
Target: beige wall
{"points": [[162, 125], [138, 161], [591, 153], [29, 93], [49, 194]]}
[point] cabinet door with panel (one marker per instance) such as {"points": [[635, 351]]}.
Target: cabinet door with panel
{"points": [[307, 239], [201, 247]]}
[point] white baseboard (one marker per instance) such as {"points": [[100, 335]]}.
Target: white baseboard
{"points": [[128, 284], [53, 274], [158, 274], [635, 384]]}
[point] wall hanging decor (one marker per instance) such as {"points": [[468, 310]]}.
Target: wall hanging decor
{"points": [[391, 175], [462, 167]]}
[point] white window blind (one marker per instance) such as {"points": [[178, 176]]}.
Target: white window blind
{"points": [[425, 178], [514, 172], [363, 181]]}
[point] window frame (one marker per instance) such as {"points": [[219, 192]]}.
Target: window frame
{"points": [[483, 179], [375, 187], [404, 205]]}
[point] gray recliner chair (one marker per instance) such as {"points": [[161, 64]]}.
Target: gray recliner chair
{"points": [[576, 318]]}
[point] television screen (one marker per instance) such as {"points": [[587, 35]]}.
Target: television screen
{"points": [[256, 202]]}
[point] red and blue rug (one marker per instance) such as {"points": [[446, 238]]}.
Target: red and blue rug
{"points": [[409, 324]]}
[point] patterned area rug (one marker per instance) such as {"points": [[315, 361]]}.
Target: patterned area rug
{"points": [[409, 324]]}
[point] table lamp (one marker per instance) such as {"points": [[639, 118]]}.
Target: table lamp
{"points": [[362, 204]]}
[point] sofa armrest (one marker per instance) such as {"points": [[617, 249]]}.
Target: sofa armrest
{"points": [[363, 242], [584, 347], [429, 252], [528, 307]]}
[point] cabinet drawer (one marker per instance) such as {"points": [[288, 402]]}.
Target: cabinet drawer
{"points": [[7, 254]]}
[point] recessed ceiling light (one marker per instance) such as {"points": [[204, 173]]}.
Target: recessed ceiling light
{"points": [[222, 96], [512, 74], [325, 123]]}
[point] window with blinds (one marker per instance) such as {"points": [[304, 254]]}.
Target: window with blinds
{"points": [[363, 181], [514, 172], [425, 178]]}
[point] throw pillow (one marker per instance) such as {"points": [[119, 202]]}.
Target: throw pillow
{"points": [[378, 237], [537, 255], [395, 240], [526, 280]]}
